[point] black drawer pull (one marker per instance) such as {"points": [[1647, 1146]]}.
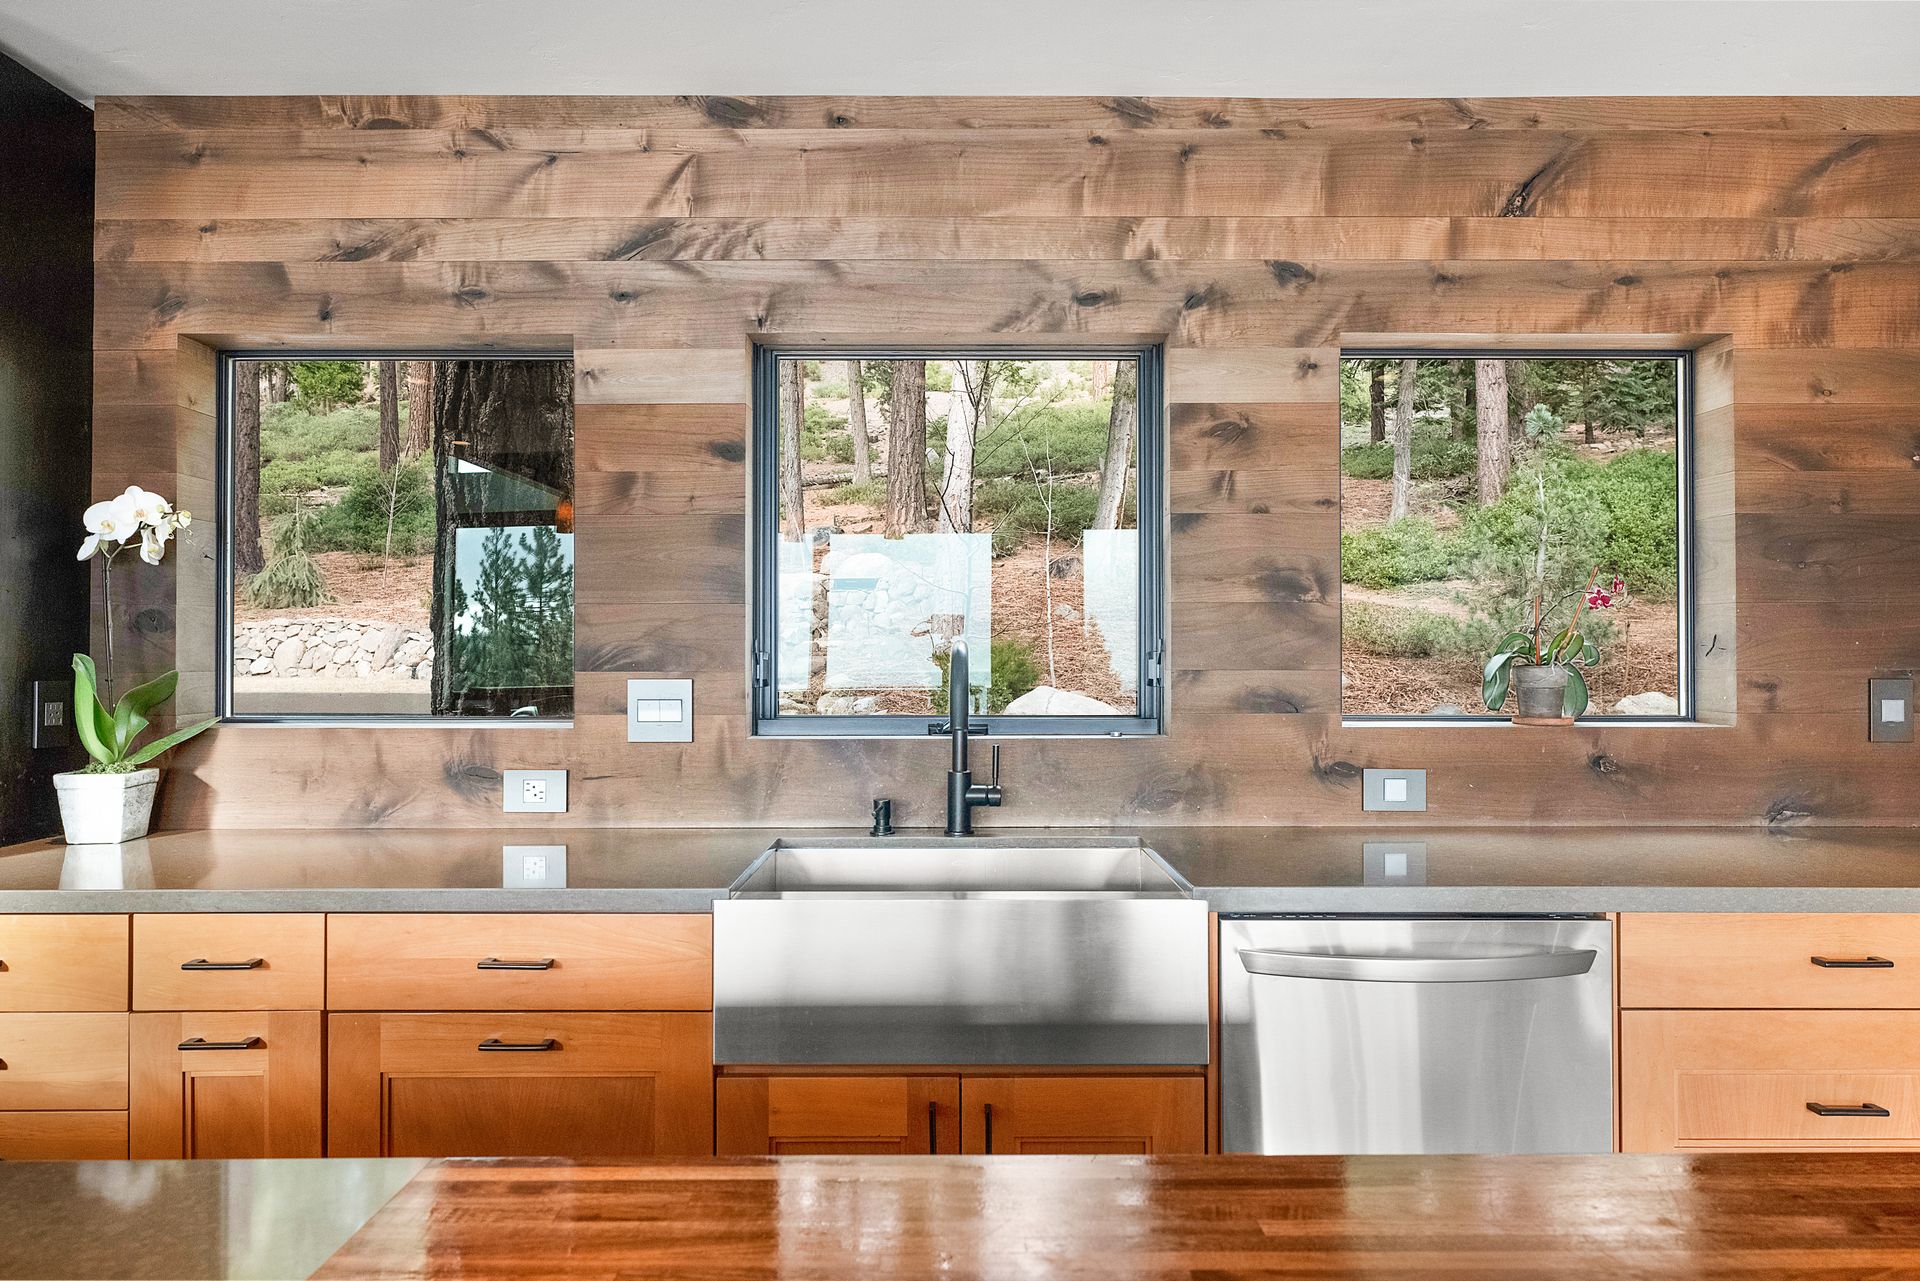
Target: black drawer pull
{"points": [[201, 1043], [524, 1047], [1847, 1109], [251, 963], [1852, 963], [495, 963]]}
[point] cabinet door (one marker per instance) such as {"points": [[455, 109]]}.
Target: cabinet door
{"points": [[837, 1115], [1070, 1115], [573, 1084], [225, 1085]]}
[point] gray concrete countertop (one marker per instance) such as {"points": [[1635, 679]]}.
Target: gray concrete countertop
{"points": [[1236, 869]]}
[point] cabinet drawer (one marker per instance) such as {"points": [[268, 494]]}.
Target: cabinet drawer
{"points": [[1769, 961], [63, 963], [63, 1136], [208, 961], [517, 1084], [1745, 1078], [519, 962], [63, 1062]]}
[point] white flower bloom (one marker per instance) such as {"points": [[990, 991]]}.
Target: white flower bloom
{"points": [[182, 519], [89, 547], [153, 545], [147, 507], [109, 522]]}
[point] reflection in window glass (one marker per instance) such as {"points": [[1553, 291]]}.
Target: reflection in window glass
{"points": [[1469, 487], [923, 500], [401, 537]]}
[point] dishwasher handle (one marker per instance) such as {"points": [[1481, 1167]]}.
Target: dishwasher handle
{"points": [[1551, 964]]}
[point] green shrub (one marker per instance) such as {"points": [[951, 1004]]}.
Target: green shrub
{"points": [[824, 437], [1436, 456], [1622, 515], [1018, 509], [871, 494], [358, 522], [1407, 551], [1067, 438], [1016, 670], [290, 579], [328, 384], [1394, 632]]}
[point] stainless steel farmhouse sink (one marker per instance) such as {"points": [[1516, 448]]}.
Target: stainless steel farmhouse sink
{"points": [[975, 950]]}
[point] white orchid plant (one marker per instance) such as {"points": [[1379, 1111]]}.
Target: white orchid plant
{"points": [[144, 519]]}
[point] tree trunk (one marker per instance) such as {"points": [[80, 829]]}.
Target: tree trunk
{"points": [[1120, 429], [277, 382], [389, 380], [1493, 442], [907, 450], [419, 408], [793, 415], [247, 560], [1102, 377], [1472, 414], [1586, 400], [513, 417], [1376, 401], [1403, 441], [857, 425], [966, 415]]}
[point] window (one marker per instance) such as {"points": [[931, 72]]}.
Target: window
{"points": [[399, 537], [1472, 483], [904, 500]]}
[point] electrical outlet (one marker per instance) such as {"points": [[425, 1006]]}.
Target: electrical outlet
{"points": [[1393, 789], [533, 867], [1890, 710], [52, 714], [533, 791], [1393, 863]]}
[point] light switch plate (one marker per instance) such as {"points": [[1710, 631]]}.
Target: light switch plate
{"points": [[660, 711], [533, 867], [1393, 789], [1890, 710], [1393, 863], [533, 791]]}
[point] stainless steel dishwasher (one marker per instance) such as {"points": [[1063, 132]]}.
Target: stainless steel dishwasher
{"points": [[1437, 1034]]}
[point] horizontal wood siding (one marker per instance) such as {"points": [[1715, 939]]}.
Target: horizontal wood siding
{"points": [[659, 237]]}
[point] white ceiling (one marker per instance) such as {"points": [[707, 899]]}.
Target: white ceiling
{"points": [[1256, 48]]}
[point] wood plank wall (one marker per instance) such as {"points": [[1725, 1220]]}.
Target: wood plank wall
{"points": [[659, 237]]}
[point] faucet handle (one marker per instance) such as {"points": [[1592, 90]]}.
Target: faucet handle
{"points": [[996, 766]]}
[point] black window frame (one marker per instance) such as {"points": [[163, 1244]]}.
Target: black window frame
{"points": [[1683, 461], [223, 569], [1150, 451]]}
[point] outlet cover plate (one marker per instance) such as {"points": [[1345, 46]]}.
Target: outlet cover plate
{"points": [[533, 867], [513, 791], [1393, 789], [52, 714], [1890, 710], [660, 711], [1393, 863]]}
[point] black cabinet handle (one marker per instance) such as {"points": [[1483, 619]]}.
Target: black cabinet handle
{"points": [[202, 963], [1853, 963], [933, 1132], [525, 1047], [201, 1043], [1847, 1109], [495, 963], [989, 1113]]}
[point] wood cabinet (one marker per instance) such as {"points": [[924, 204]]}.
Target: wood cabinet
{"points": [[1692, 1079], [225, 1085], [836, 1115], [222, 961], [1029, 1113], [520, 1084], [1076, 1115], [1831, 961], [63, 1062], [519, 961], [73, 963], [63, 1136]]}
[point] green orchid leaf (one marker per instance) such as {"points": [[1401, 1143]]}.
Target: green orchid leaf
{"points": [[127, 725], [1575, 702], [1515, 643], [168, 743], [1589, 653], [88, 714], [1495, 681], [144, 698]]}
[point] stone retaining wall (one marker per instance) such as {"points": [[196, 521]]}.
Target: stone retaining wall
{"points": [[332, 647]]}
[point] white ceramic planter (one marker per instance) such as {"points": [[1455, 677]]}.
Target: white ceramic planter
{"points": [[105, 809]]}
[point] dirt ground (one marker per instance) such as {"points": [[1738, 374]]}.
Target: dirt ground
{"points": [[1021, 596], [364, 588]]}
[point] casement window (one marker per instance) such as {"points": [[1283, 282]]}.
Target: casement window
{"points": [[905, 499], [397, 537], [1475, 482]]}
